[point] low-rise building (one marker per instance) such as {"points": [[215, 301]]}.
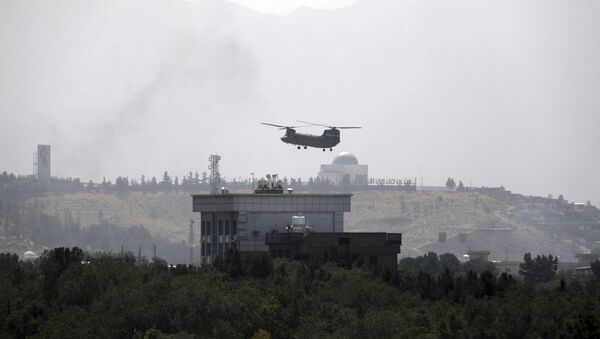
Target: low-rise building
{"points": [[371, 248], [508, 267], [243, 220], [478, 255], [345, 170], [586, 259]]}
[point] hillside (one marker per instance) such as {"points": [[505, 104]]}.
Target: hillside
{"points": [[497, 220], [506, 224], [421, 215], [163, 213]]}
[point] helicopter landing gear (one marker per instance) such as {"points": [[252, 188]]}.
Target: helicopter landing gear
{"points": [[331, 150], [305, 147], [323, 150], [298, 147]]}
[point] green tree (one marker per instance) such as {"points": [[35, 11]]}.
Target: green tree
{"points": [[449, 261], [539, 270], [166, 181], [596, 269], [53, 263], [450, 184]]}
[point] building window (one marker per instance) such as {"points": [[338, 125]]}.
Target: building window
{"points": [[373, 260], [220, 227], [344, 241], [208, 250], [233, 227], [208, 227], [227, 227], [202, 250]]}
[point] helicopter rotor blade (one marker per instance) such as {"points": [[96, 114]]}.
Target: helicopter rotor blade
{"points": [[336, 127], [283, 127], [274, 125], [312, 123]]}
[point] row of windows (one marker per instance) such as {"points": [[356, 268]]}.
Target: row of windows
{"points": [[208, 249], [223, 228]]}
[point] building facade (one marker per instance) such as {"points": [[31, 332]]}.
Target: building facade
{"points": [[243, 220], [345, 170], [371, 249], [43, 163]]}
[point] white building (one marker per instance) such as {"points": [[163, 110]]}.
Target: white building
{"points": [[345, 170]]}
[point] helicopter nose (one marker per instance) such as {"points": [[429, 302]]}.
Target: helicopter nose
{"points": [[284, 138]]}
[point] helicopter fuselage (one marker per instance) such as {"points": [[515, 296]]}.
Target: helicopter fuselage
{"points": [[329, 138]]}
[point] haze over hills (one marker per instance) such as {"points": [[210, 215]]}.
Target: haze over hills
{"points": [[504, 223], [501, 94], [124, 103], [495, 93]]}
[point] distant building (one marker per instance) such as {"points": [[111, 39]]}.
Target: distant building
{"points": [[243, 220], [579, 207], [442, 237], [584, 273], [586, 259], [508, 267], [345, 170], [372, 249], [29, 256], [478, 255], [42, 164]]}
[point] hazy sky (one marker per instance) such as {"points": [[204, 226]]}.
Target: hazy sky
{"points": [[489, 92]]}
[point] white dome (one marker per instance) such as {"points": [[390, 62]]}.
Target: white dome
{"points": [[30, 255], [345, 158]]}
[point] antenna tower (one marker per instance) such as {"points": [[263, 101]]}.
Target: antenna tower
{"points": [[215, 177]]}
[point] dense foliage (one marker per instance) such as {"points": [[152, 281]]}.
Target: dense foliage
{"points": [[539, 269], [69, 295]]}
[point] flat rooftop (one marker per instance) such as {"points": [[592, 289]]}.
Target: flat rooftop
{"points": [[271, 202]]}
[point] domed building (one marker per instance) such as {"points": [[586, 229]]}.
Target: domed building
{"points": [[30, 255], [345, 170]]}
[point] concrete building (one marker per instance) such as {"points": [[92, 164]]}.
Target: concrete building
{"points": [[478, 255], [43, 162], [372, 249], [584, 273], [345, 170], [586, 259], [243, 220], [509, 267]]}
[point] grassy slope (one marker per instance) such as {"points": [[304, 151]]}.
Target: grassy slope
{"points": [[167, 214], [420, 216]]}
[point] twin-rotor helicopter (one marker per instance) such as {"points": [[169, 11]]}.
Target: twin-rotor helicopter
{"points": [[329, 139]]}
